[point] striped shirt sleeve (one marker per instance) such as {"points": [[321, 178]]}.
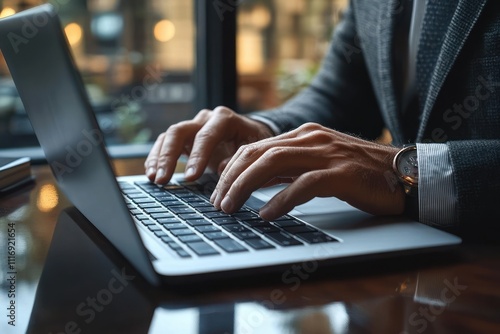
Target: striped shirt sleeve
{"points": [[436, 190]]}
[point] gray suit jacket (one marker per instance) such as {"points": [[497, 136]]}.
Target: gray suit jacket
{"points": [[458, 83]]}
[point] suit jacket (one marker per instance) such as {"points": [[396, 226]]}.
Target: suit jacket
{"points": [[458, 84]]}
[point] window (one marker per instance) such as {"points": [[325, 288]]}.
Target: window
{"points": [[136, 58], [280, 45], [148, 64]]}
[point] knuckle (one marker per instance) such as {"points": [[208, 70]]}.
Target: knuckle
{"points": [[275, 153], [204, 113], [310, 126], [221, 111], [248, 150]]}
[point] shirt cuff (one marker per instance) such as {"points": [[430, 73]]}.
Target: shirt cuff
{"points": [[274, 128], [436, 188]]}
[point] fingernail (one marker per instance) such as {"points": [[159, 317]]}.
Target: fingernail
{"points": [[227, 204], [160, 173], [189, 172], [213, 197], [217, 201], [151, 172]]}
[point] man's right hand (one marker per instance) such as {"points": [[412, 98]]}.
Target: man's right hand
{"points": [[209, 140]]}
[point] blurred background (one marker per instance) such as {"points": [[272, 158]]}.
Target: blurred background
{"points": [[137, 59]]}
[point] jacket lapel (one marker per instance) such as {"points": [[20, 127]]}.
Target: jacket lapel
{"points": [[387, 16], [446, 27]]}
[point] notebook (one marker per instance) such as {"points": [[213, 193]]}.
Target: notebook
{"points": [[171, 233]]}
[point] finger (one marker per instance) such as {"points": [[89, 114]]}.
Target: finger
{"points": [[276, 162], [176, 138], [303, 189], [152, 159], [246, 155], [213, 132], [222, 165]]}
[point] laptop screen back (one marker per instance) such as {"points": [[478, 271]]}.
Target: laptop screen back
{"points": [[54, 97]]}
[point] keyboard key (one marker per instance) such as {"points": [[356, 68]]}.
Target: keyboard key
{"points": [[235, 228], [160, 233], [202, 248], [198, 222], [182, 253], [181, 231], [143, 200], [230, 245], [158, 209], [283, 239], [182, 193], [135, 212], [245, 215], [227, 220], [217, 214], [169, 220], [162, 215], [181, 209], [288, 222], [191, 198], [189, 238], [316, 237], [192, 215], [154, 227], [147, 222], [245, 235], [216, 235], [165, 197], [300, 229], [169, 203], [200, 204], [149, 205], [166, 239], [258, 244], [206, 228], [266, 229], [206, 209], [136, 195], [174, 226], [125, 185], [142, 217], [256, 222], [175, 246]]}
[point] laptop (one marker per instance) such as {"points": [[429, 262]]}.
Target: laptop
{"points": [[171, 233]]}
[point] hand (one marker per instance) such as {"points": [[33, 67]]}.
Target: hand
{"points": [[317, 162], [209, 140]]}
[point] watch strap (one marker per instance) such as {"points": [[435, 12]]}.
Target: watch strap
{"points": [[411, 207]]}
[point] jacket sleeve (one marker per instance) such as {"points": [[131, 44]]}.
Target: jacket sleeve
{"points": [[340, 96], [476, 165]]}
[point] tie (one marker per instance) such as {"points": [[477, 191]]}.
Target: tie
{"points": [[404, 69]]}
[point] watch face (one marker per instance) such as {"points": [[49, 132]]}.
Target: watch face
{"points": [[408, 165]]}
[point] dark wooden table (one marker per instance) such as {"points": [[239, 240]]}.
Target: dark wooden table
{"points": [[60, 278]]}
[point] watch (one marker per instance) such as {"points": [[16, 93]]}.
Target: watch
{"points": [[405, 166]]}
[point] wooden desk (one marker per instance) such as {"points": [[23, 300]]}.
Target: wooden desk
{"points": [[81, 286]]}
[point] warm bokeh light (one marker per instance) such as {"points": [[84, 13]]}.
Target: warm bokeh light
{"points": [[164, 31], [7, 11], [74, 33], [250, 52], [48, 198], [260, 17]]}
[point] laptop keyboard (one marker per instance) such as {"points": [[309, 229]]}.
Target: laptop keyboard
{"points": [[182, 217]]}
